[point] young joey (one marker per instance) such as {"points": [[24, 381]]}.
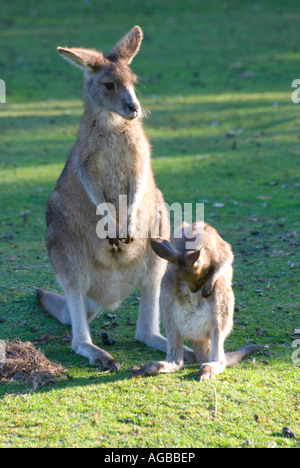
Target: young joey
{"points": [[197, 301]]}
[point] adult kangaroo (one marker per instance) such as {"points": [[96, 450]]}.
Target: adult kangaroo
{"points": [[109, 163]]}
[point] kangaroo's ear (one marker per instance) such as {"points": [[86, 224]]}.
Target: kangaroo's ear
{"points": [[165, 249], [191, 257], [128, 47], [83, 58]]}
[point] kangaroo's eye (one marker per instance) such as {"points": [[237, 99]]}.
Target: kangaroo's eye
{"points": [[109, 86]]}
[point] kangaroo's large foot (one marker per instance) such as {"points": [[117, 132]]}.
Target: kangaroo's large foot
{"points": [[97, 356]]}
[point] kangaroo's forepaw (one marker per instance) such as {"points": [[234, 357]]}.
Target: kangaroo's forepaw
{"points": [[118, 241], [114, 241]]}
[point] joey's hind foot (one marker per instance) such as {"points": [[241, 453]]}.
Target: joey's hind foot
{"points": [[150, 368], [206, 372]]}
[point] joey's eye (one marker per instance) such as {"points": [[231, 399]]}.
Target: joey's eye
{"points": [[109, 86]]}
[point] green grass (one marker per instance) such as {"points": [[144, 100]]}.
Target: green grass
{"points": [[192, 66]]}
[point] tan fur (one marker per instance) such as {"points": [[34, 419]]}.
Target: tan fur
{"points": [[197, 301], [111, 157]]}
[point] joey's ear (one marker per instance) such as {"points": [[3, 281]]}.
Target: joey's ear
{"points": [[128, 47], [83, 58], [165, 249], [191, 257]]}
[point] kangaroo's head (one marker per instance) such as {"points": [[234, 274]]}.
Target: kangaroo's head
{"points": [[109, 81], [191, 265]]}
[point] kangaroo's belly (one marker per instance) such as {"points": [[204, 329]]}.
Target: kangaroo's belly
{"points": [[193, 321], [116, 272], [110, 287]]}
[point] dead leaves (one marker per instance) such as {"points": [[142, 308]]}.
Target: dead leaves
{"points": [[24, 362], [44, 339]]}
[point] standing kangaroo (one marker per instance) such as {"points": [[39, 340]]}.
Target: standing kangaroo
{"points": [[111, 158], [197, 302]]}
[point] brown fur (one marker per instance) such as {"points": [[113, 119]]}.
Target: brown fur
{"points": [[111, 157]]}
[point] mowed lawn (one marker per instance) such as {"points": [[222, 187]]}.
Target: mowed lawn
{"points": [[217, 78]]}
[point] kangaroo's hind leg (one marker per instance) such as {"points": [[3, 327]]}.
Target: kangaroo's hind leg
{"points": [[81, 341], [174, 360], [217, 360], [69, 265], [154, 301], [76, 310], [147, 329], [55, 305], [222, 311]]}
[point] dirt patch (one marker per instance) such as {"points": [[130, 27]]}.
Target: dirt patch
{"points": [[22, 361]]}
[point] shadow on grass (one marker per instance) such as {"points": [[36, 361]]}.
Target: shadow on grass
{"points": [[19, 388]]}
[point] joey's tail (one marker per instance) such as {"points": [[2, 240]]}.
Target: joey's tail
{"points": [[54, 304], [234, 357]]}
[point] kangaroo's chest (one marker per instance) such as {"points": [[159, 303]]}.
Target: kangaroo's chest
{"points": [[114, 167], [193, 316]]}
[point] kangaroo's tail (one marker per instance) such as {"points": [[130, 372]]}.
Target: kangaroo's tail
{"points": [[54, 304], [234, 357]]}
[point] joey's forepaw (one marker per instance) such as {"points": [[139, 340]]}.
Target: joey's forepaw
{"points": [[206, 291]]}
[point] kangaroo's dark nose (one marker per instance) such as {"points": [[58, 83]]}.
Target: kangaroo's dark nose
{"points": [[132, 107]]}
